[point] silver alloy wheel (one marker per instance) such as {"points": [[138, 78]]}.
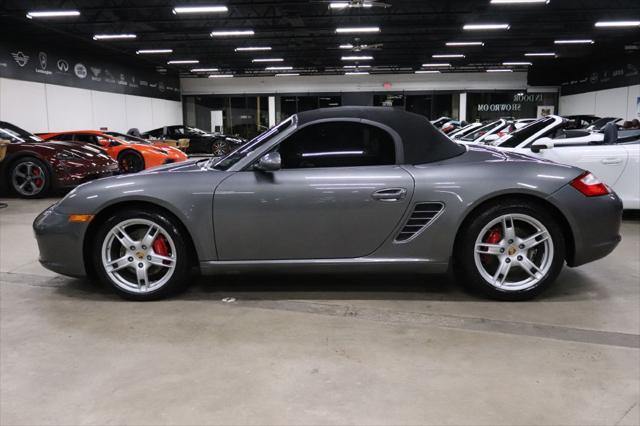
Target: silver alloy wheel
{"points": [[28, 178], [129, 258], [219, 148], [520, 258]]}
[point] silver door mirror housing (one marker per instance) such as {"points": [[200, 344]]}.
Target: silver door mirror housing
{"points": [[269, 162], [542, 143]]}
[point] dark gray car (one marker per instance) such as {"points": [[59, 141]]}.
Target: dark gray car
{"points": [[338, 189]]}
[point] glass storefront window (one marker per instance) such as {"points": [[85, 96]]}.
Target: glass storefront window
{"points": [[395, 100], [490, 106]]}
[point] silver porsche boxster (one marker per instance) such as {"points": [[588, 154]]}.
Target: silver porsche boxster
{"points": [[337, 189]]}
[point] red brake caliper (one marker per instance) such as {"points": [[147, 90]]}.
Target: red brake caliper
{"points": [[160, 245], [37, 180], [493, 237]]}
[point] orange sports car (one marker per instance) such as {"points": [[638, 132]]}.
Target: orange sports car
{"points": [[132, 157]]}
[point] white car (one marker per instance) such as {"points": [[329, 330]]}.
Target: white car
{"points": [[616, 162], [457, 134], [486, 133]]}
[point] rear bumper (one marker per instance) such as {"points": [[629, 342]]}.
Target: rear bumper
{"points": [[594, 221]]}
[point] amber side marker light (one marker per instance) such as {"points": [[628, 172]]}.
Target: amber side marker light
{"points": [[590, 185], [80, 217]]}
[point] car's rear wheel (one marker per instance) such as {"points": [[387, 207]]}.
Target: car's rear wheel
{"points": [[219, 147], [142, 255], [131, 162], [511, 251], [29, 178]]}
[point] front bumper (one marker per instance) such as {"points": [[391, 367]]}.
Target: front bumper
{"points": [[594, 221], [60, 243]]}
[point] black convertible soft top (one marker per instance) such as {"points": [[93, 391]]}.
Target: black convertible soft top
{"points": [[422, 142]]}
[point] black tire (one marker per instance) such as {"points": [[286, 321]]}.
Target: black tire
{"points": [[465, 263], [180, 278], [219, 147], [130, 162], [40, 183]]}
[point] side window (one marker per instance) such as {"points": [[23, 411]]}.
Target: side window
{"points": [[337, 144], [154, 133], [64, 138], [91, 139]]}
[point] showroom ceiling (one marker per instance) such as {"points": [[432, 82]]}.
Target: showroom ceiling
{"points": [[303, 34]]}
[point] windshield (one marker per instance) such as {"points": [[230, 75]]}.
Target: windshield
{"points": [[194, 130], [17, 135], [128, 138], [237, 155], [522, 134], [481, 131]]}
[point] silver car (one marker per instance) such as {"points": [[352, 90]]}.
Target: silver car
{"points": [[340, 190]]}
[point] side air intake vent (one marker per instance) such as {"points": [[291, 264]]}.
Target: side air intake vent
{"points": [[423, 214]]}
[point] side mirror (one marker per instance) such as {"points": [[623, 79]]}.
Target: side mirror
{"points": [[269, 162], [542, 143]]}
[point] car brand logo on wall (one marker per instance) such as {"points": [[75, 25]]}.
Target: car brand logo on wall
{"points": [[63, 65], [96, 73], [20, 58], [80, 70], [42, 58]]}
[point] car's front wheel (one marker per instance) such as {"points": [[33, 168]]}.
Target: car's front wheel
{"points": [[219, 148], [141, 254], [511, 251], [29, 178], [131, 162]]}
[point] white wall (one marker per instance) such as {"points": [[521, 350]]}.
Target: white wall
{"points": [[40, 107], [620, 102]]}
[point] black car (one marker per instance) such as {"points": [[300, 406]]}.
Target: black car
{"points": [[199, 140]]}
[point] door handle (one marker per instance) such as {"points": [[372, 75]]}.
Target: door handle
{"points": [[611, 161], [389, 194]]}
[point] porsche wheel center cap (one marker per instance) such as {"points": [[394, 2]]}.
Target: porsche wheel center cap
{"points": [[140, 255], [511, 250]]}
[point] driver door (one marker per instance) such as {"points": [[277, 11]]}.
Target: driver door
{"points": [[338, 194]]}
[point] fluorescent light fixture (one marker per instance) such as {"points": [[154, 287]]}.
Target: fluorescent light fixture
{"points": [[278, 68], [288, 74], [113, 36], [221, 76], [472, 27], [153, 51], [499, 70], [356, 66], [267, 60], [345, 4], [617, 24], [205, 70], [453, 55], [577, 41], [199, 9], [519, 1], [464, 43], [516, 64], [346, 46], [357, 58], [52, 13], [427, 72], [437, 65], [540, 54], [356, 73], [358, 30], [184, 61], [252, 49], [231, 33]]}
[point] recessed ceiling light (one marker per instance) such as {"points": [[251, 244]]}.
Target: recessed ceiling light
{"points": [[113, 36], [267, 60], [472, 27], [427, 72], [346, 46], [540, 54], [617, 24], [152, 51], [252, 49], [357, 58], [437, 65], [226, 33], [356, 66], [519, 1], [464, 43], [221, 76], [278, 68], [516, 64], [183, 61], [453, 55], [199, 9], [288, 74], [344, 5], [499, 70], [356, 73], [205, 70], [577, 41], [52, 13], [358, 30]]}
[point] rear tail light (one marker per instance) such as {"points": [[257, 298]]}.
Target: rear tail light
{"points": [[590, 185]]}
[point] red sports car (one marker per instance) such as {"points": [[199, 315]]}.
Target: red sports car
{"points": [[32, 168]]}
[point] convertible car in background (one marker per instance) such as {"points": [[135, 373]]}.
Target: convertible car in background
{"points": [[133, 136], [132, 157], [337, 189], [199, 140], [32, 168]]}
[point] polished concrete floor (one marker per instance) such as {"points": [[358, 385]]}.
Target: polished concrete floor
{"points": [[316, 350]]}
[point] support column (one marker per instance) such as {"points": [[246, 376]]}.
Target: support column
{"points": [[463, 106], [272, 111]]}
